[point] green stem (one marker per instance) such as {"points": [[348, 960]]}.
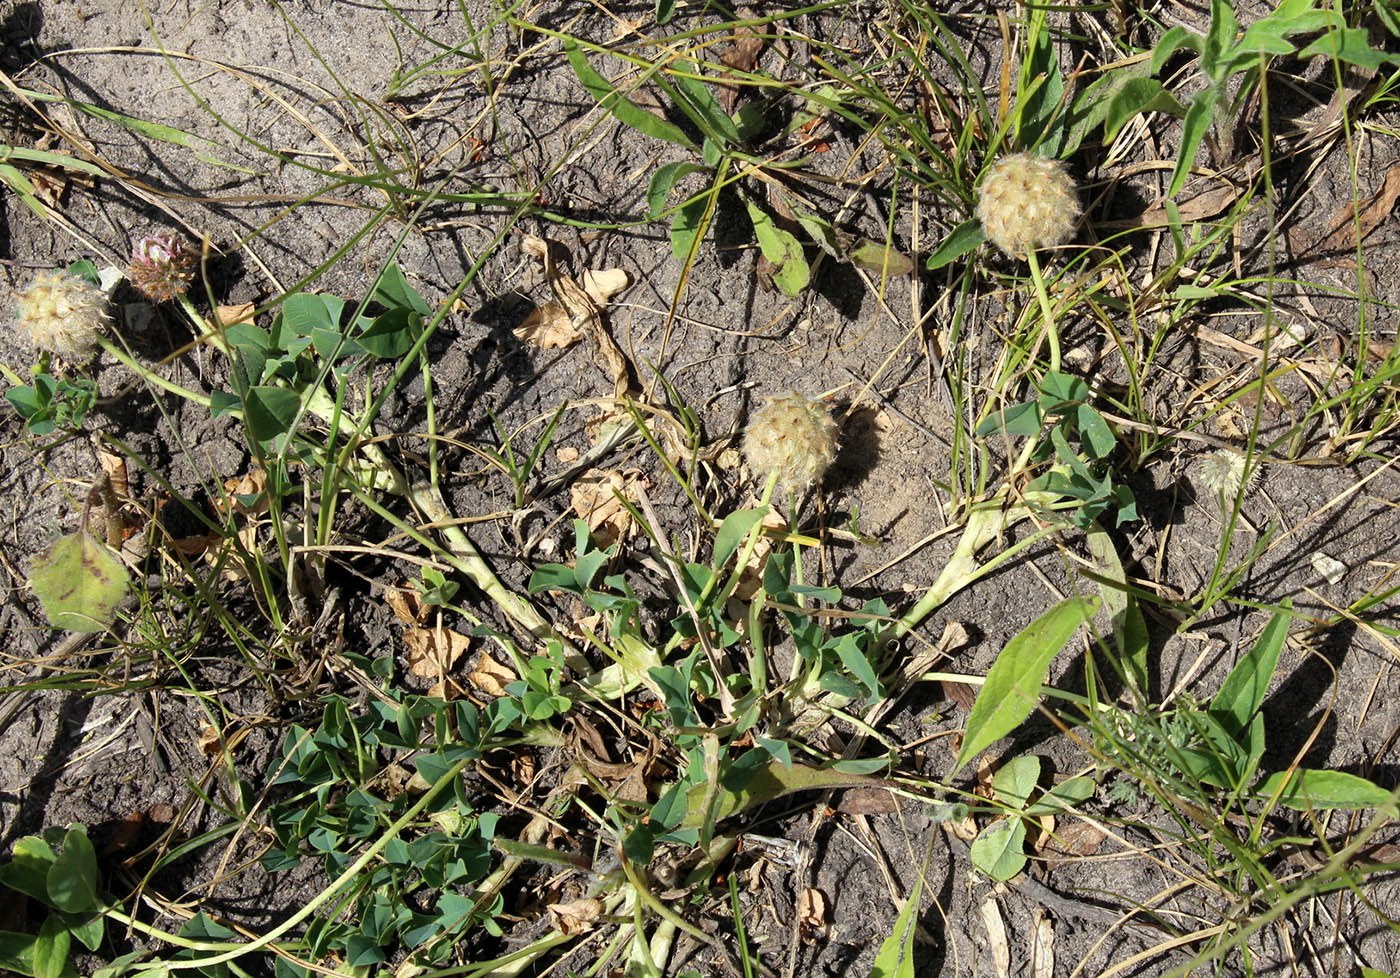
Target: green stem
{"points": [[1047, 312], [229, 952]]}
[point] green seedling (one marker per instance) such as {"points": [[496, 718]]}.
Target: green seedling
{"points": [[58, 871], [999, 849], [1223, 51], [47, 402]]}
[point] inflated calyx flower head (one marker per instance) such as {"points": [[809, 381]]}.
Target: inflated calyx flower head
{"points": [[1026, 202], [162, 266], [793, 437], [63, 313]]}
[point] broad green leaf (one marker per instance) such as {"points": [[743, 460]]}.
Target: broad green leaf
{"points": [[89, 931], [1136, 96], [1000, 850], [1017, 420], [732, 531], [875, 257], [28, 869], [1311, 789], [896, 957], [962, 239], [270, 411], [80, 583], [1014, 781], [780, 247], [17, 952], [1242, 693], [1063, 795], [392, 334], [1094, 432], [664, 180], [627, 112], [1012, 687], [51, 949], [72, 879], [1193, 130], [818, 228], [303, 312], [1349, 44], [1172, 41], [665, 10], [394, 292], [853, 657], [686, 225]]}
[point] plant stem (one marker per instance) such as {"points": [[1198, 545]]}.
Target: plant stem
{"points": [[1047, 312]]}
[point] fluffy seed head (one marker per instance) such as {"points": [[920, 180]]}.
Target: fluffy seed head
{"points": [[1026, 202], [1223, 472], [792, 436], [63, 313], [162, 266]]}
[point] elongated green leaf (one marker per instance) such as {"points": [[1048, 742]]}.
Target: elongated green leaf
{"points": [[1243, 691], [1063, 795], [1012, 687], [1172, 41], [960, 241], [699, 102], [1129, 627], [896, 957], [1349, 44], [1311, 789], [1193, 130], [627, 112], [664, 180], [1136, 96], [1000, 850]]}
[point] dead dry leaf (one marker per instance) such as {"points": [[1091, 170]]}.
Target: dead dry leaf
{"points": [[228, 315], [1073, 841], [1345, 231], [996, 938], [432, 652], [209, 741], [490, 676], [407, 605], [583, 305], [566, 454], [1042, 949], [741, 54], [114, 466], [576, 916], [811, 914], [867, 801], [548, 327], [595, 498], [251, 486]]}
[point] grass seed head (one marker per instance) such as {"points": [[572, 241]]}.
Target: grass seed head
{"points": [[1027, 202], [63, 313], [794, 437], [162, 266]]}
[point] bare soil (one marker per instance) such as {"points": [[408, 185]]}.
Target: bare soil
{"points": [[134, 757]]}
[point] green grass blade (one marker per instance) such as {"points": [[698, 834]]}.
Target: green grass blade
{"points": [[626, 111]]}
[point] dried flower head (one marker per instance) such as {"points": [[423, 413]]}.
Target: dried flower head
{"points": [[162, 266], [1026, 202], [792, 436], [63, 313], [1223, 472]]}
